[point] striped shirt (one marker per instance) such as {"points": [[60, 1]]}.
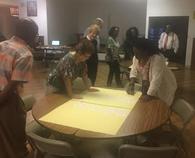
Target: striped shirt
{"points": [[15, 61]]}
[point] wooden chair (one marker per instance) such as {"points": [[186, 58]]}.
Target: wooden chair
{"points": [[133, 151]]}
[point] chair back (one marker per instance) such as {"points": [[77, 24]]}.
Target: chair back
{"points": [[28, 101], [184, 110], [133, 151], [40, 138]]}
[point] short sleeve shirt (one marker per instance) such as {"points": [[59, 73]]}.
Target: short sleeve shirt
{"points": [[15, 61], [68, 68]]}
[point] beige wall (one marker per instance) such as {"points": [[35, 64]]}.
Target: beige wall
{"points": [[62, 21], [122, 13], [9, 2], [40, 19], [5, 19]]}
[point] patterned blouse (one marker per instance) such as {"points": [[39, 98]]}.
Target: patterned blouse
{"points": [[15, 61], [114, 46], [68, 68]]}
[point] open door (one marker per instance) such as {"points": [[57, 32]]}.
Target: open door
{"points": [[180, 27]]}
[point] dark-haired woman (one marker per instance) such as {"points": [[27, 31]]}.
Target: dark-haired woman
{"points": [[71, 66], [131, 36], [157, 80], [113, 57]]}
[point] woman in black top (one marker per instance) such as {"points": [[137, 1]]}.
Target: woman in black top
{"points": [[131, 36], [92, 62]]}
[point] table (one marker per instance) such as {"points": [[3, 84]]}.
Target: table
{"points": [[125, 64], [52, 52], [143, 117]]}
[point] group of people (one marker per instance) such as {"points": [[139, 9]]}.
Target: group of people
{"points": [[67, 72], [82, 61], [157, 80]]}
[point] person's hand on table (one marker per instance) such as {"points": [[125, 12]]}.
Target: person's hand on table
{"points": [[146, 98], [130, 89], [77, 97], [93, 89]]}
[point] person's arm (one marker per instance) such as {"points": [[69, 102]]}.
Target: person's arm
{"points": [[131, 86], [68, 87], [160, 42], [9, 89], [20, 74], [157, 69], [133, 75], [86, 81], [176, 43], [133, 71], [109, 49]]}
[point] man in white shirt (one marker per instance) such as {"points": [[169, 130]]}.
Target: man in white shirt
{"points": [[169, 43]]}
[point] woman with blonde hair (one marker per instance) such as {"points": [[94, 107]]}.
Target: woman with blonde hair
{"points": [[92, 62]]}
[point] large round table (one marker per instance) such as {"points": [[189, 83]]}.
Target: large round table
{"points": [[143, 118]]}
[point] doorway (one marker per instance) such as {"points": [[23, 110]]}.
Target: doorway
{"points": [[180, 27]]}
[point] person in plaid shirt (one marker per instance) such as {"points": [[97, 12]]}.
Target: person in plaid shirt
{"points": [[15, 65]]}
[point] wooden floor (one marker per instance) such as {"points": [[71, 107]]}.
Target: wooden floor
{"points": [[186, 89]]}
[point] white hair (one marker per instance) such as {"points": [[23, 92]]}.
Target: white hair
{"points": [[99, 19]]}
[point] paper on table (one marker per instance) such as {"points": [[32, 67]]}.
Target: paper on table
{"points": [[103, 111], [110, 97], [87, 116]]}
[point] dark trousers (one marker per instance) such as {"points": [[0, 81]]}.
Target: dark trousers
{"points": [[170, 55], [92, 71], [12, 128], [114, 70]]}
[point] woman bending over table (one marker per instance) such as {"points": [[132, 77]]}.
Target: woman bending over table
{"points": [[71, 66], [157, 80]]}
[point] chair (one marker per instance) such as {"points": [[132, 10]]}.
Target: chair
{"points": [[174, 134], [133, 151], [28, 101], [39, 139], [184, 110]]}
